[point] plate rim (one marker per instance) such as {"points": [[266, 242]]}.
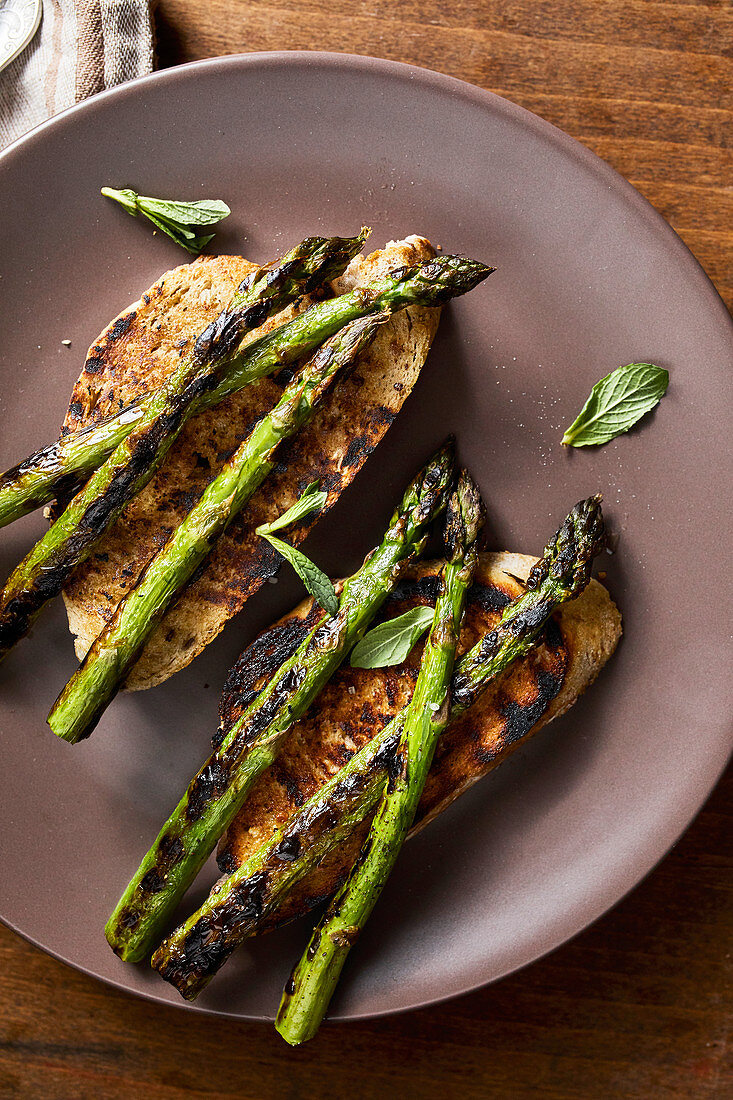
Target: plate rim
{"points": [[590, 162]]}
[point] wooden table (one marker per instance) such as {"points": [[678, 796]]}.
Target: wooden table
{"points": [[638, 1005]]}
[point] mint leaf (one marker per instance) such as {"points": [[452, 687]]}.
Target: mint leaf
{"points": [[391, 641], [171, 217], [313, 578], [203, 212], [616, 403], [310, 500]]}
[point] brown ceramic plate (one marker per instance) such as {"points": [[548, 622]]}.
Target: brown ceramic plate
{"points": [[589, 277]]}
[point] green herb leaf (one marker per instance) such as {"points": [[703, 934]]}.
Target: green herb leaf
{"points": [[171, 217], [310, 500], [616, 403], [391, 641], [315, 581], [203, 212]]}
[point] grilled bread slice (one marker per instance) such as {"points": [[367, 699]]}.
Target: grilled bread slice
{"points": [[357, 703], [134, 354]]}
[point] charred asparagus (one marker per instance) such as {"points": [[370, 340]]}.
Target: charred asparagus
{"points": [[239, 904], [309, 991], [113, 652], [69, 462], [216, 793]]}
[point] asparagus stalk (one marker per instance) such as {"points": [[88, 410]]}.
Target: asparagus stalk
{"points": [[129, 468], [314, 979], [219, 789], [241, 903], [63, 465], [120, 642]]}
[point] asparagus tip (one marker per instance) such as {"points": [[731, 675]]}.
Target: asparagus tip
{"points": [[569, 555], [442, 465], [465, 516], [452, 276]]}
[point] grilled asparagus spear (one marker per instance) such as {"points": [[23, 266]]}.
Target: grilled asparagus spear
{"points": [[69, 462], [239, 904], [218, 791], [314, 979], [114, 651], [130, 467]]}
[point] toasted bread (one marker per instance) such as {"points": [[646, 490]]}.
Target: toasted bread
{"points": [[357, 703], [134, 354]]}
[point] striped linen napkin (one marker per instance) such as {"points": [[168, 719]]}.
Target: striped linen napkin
{"points": [[81, 47]]}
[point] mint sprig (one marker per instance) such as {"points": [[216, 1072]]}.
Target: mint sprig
{"points": [[391, 641], [173, 218], [616, 403], [315, 580]]}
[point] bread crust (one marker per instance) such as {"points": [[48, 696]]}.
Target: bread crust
{"points": [[357, 703], [135, 353]]}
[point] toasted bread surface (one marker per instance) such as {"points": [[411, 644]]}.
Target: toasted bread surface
{"points": [[357, 703], [135, 353]]}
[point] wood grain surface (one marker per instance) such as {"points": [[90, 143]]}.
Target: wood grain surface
{"points": [[638, 1005]]}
